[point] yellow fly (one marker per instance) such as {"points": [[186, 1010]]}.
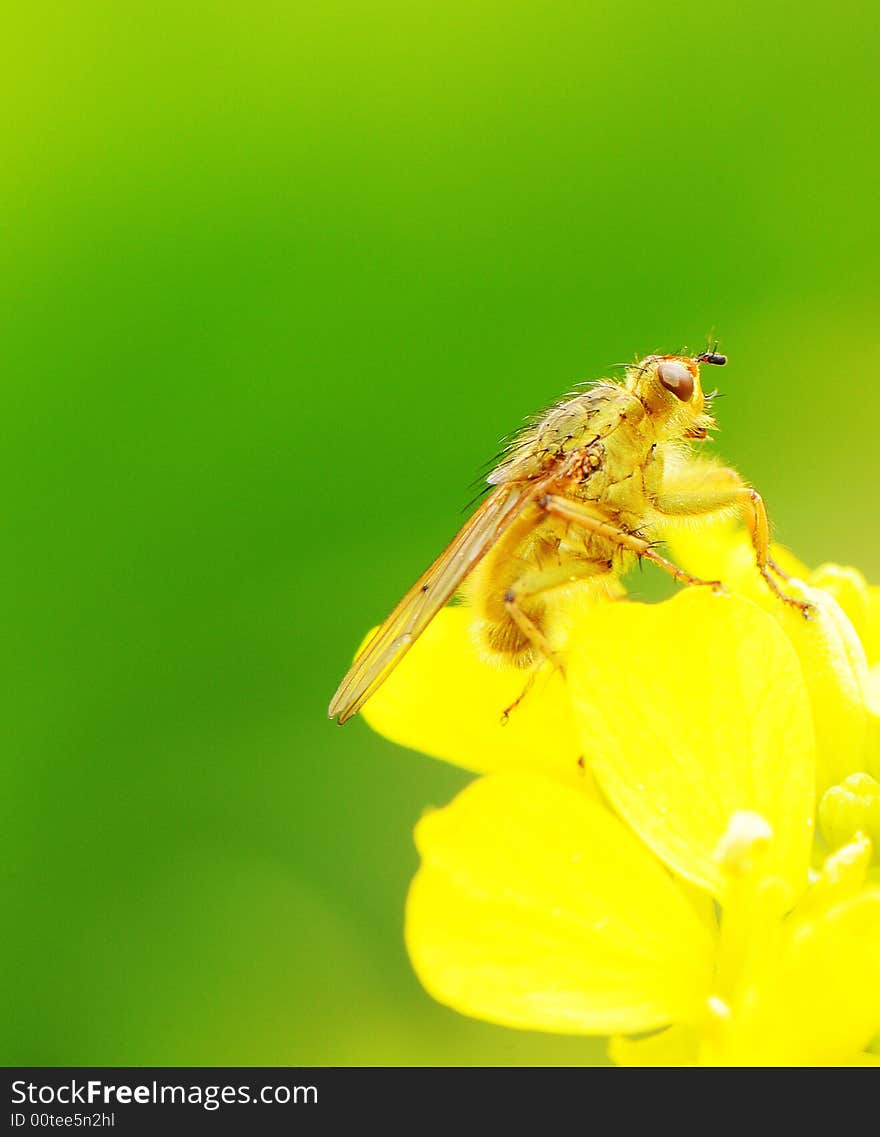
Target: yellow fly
{"points": [[576, 497]]}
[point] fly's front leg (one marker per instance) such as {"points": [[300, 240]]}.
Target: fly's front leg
{"points": [[702, 490], [754, 511], [582, 516]]}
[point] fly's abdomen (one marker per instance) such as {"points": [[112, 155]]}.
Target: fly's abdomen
{"points": [[489, 589]]}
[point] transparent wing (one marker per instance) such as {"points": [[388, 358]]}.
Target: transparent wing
{"points": [[428, 595]]}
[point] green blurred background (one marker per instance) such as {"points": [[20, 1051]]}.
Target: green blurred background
{"points": [[275, 278]]}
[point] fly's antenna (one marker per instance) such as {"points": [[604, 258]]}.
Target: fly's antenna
{"points": [[714, 357], [711, 355]]}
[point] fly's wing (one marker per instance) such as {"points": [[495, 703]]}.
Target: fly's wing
{"points": [[428, 595]]}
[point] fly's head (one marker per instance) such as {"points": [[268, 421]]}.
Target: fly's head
{"points": [[669, 388]]}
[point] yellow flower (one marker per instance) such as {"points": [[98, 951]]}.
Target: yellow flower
{"points": [[538, 907], [672, 776]]}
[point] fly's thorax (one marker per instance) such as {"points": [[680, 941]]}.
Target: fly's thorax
{"points": [[630, 468], [562, 435]]}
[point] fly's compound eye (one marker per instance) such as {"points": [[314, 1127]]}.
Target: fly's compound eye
{"points": [[676, 378]]}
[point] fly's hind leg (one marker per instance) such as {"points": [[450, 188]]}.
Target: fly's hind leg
{"points": [[511, 707], [534, 583]]}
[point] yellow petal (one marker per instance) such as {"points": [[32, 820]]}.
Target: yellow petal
{"points": [[690, 711], [872, 626], [822, 1005], [446, 701], [536, 908], [721, 550], [677, 1046], [849, 588], [872, 748], [859, 600], [836, 675], [832, 655]]}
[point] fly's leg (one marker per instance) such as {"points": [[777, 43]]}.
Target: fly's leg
{"points": [[577, 514], [755, 514], [529, 628], [537, 582], [530, 682], [702, 490]]}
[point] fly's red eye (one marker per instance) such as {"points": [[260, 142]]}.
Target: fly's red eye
{"points": [[676, 378]]}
